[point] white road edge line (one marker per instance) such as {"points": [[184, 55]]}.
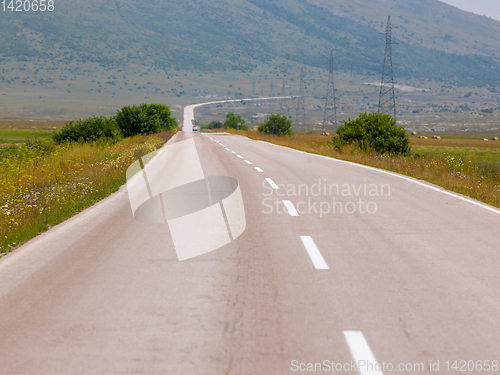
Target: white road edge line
{"points": [[271, 182], [241, 157], [410, 179], [361, 353], [313, 251], [290, 208], [259, 170], [248, 162]]}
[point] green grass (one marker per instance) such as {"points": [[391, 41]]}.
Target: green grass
{"points": [[9, 137], [14, 136], [477, 155], [41, 187], [25, 133]]}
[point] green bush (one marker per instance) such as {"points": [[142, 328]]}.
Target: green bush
{"points": [[215, 125], [375, 131], [277, 125], [233, 120], [89, 130], [144, 119]]}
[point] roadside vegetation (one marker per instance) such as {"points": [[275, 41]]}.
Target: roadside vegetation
{"points": [[277, 125], [474, 172], [231, 122], [373, 131], [13, 136], [142, 119], [46, 181]]}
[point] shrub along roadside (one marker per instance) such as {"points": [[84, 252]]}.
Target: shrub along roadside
{"points": [[40, 189], [277, 125], [132, 120], [233, 120], [91, 129], [214, 125], [375, 131], [144, 119]]}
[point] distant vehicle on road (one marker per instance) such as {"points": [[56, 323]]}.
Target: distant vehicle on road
{"points": [[195, 128]]}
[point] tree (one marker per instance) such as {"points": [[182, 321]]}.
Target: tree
{"points": [[277, 125], [376, 131], [215, 125], [91, 129], [144, 119], [232, 121]]}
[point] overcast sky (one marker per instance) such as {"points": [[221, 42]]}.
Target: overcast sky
{"points": [[490, 8]]}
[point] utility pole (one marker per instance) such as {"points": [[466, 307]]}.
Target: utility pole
{"points": [[271, 95], [253, 89], [284, 106], [387, 99], [330, 103], [301, 103]]}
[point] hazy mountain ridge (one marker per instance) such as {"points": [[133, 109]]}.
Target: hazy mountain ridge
{"points": [[437, 42], [430, 19]]}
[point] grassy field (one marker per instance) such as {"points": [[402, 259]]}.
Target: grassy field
{"points": [[10, 136], [42, 184], [473, 154], [474, 172]]}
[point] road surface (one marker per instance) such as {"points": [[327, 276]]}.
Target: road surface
{"points": [[400, 273]]}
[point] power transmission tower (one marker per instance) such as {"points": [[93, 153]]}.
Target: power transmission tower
{"points": [[284, 107], [330, 103], [300, 116], [253, 89], [271, 95], [387, 99]]}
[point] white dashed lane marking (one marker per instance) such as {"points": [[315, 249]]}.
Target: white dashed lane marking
{"points": [[314, 253], [258, 169], [290, 208], [361, 353], [271, 183]]}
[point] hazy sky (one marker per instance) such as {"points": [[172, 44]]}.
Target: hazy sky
{"points": [[490, 8]]}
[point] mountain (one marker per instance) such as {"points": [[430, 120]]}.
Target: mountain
{"points": [[436, 42]]}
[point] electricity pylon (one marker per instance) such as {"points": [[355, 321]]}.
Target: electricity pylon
{"points": [[387, 98], [330, 115], [300, 116], [271, 95], [284, 107]]}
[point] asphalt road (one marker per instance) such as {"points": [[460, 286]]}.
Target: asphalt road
{"points": [[401, 273]]}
